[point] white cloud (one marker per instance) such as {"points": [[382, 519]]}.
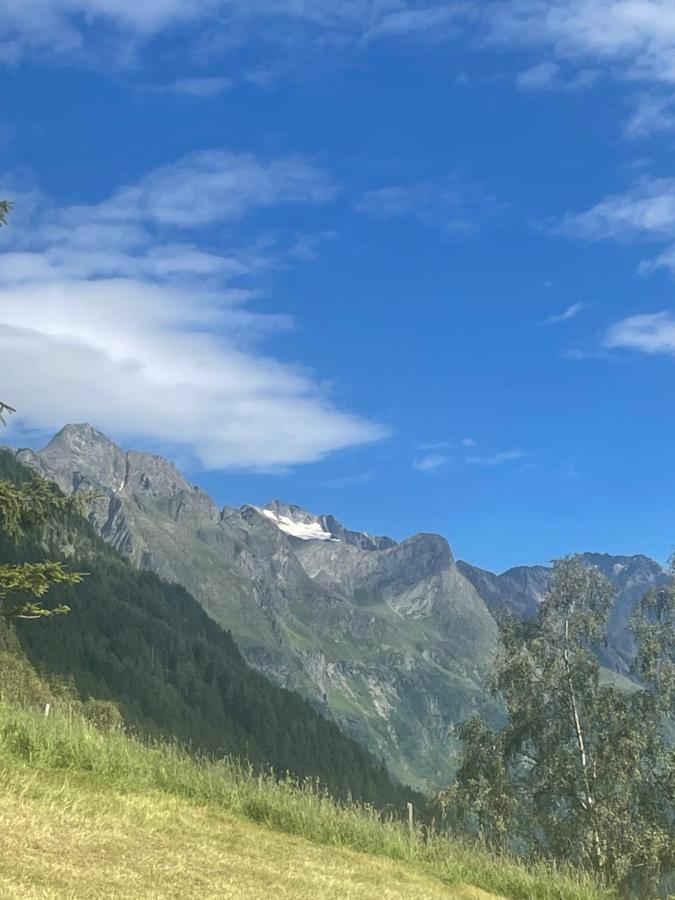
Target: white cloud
{"points": [[113, 314], [498, 459], [468, 442], [628, 39], [211, 186], [650, 333], [432, 462], [635, 38], [542, 75], [74, 27], [645, 211], [651, 114], [565, 315]]}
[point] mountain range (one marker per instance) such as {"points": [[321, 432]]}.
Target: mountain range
{"points": [[391, 639]]}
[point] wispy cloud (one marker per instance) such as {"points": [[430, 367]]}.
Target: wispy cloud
{"points": [[194, 87], [649, 333], [551, 76], [432, 462], [498, 459], [631, 38], [565, 315], [452, 204], [431, 22], [213, 186], [120, 313], [572, 41], [645, 212], [650, 115]]}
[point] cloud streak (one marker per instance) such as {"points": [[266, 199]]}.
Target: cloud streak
{"points": [[646, 212], [432, 462], [570, 313], [652, 333], [452, 205], [572, 41], [497, 459]]}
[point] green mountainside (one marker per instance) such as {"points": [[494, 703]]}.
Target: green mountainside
{"points": [[392, 640], [389, 639], [148, 645]]}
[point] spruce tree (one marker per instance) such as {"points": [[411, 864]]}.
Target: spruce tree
{"points": [[29, 505]]}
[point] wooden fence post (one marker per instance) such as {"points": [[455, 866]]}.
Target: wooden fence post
{"points": [[411, 819], [48, 706]]}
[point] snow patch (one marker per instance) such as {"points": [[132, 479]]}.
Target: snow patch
{"points": [[306, 531]]}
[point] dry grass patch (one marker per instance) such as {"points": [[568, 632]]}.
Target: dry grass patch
{"points": [[61, 836]]}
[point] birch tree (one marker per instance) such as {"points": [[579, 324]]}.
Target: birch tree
{"points": [[582, 770]]}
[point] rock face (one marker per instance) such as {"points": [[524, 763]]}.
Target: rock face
{"points": [[391, 639], [521, 590]]}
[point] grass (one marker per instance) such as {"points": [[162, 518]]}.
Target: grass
{"points": [[87, 814], [63, 835]]}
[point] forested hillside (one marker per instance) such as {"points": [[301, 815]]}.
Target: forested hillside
{"points": [[148, 645]]}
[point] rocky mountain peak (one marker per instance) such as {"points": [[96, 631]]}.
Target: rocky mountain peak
{"points": [[299, 523], [81, 458]]}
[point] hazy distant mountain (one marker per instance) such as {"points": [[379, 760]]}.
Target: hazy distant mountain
{"points": [[389, 637], [521, 590]]}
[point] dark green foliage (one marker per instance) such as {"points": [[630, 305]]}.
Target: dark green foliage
{"points": [[149, 647], [30, 505], [582, 771], [5, 210]]}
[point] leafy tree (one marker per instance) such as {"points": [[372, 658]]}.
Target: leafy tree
{"points": [[582, 770]]}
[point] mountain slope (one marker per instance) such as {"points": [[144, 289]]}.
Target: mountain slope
{"points": [[149, 646], [390, 639]]}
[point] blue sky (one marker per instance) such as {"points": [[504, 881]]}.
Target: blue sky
{"points": [[408, 263]]}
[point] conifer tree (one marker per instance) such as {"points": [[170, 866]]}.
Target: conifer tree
{"points": [[5, 209], [29, 505]]}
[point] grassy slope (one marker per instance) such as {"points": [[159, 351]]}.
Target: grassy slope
{"points": [[87, 815], [85, 840]]}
